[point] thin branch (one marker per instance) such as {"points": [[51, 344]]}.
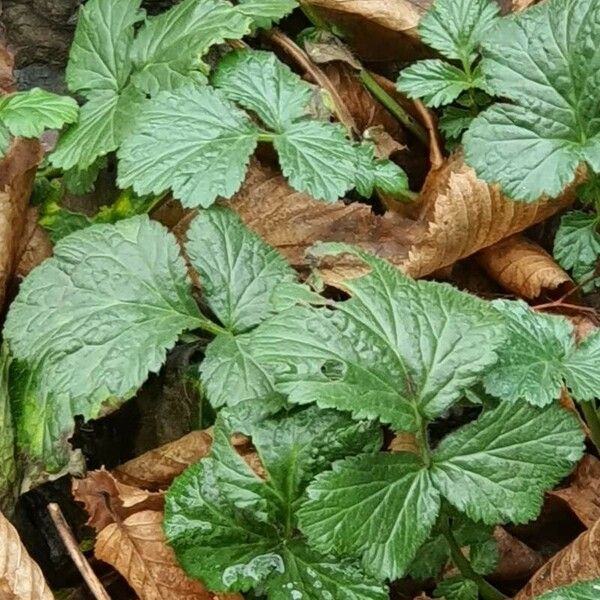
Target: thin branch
{"points": [[75, 553]]}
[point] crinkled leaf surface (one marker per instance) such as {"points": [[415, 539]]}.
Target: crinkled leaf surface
{"points": [[5, 139], [540, 357], [167, 50], [104, 121], [396, 349], [381, 507], [457, 588], [238, 271], [264, 13], [456, 28], [454, 120], [497, 468], [435, 81], [381, 174], [82, 181], [577, 244], [584, 590], [93, 321], [234, 530], [29, 114], [8, 468], [548, 69], [260, 82], [192, 140]]}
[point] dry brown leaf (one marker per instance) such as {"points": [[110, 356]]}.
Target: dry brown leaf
{"points": [[579, 561], [518, 5], [35, 245], [583, 493], [107, 500], [524, 268], [20, 576], [136, 547], [517, 560], [392, 24], [463, 215]]}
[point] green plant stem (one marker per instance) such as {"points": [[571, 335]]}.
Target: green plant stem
{"points": [[487, 591], [266, 136], [593, 421], [207, 325], [382, 96]]}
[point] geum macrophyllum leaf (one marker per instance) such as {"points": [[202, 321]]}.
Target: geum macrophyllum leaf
{"points": [[583, 590], [533, 146], [398, 350], [29, 114], [238, 274], [235, 531], [378, 174], [577, 246], [167, 49], [8, 466], [383, 507], [91, 323], [541, 356], [264, 13], [192, 140], [457, 587]]}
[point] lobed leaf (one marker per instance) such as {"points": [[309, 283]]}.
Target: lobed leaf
{"points": [[265, 13], [582, 590]]}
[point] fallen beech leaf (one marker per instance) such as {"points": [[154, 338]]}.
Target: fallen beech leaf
{"points": [[463, 215], [517, 560], [518, 5], [35, 245], [20, 577], [136, 547], [579, 561], [583, 493], [107, 500], [524, 268], [392, 24]]}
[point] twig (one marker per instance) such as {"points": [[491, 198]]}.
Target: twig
{"points": [[316, 74], [436, 157], [75, 553]]}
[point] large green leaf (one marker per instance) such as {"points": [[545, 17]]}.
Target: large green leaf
{"points": [[455, 28], [8, 468], [104, 120], [547, 70], [234, 530], [497, 468], [398, 349], [167, 50], [582, 590], [264, 13], [577, 245], [238, 271], [99, 57], [93, 321], [260, 82], [540, 357], [29, 114], [381, 507], [193, 141]]}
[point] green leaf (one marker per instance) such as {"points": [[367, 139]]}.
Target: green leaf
{"points": [[435, 81], [193, 141], [234, 530], [454, 121], [381, 507], [457, 587], [8, 467], [29, 114], [397, 348], [93, 321], [577, 244], [533, 146], [456, 28], [104, 121], [238, 271], [167, 50], [317, 158], [83, 181], [540, 357], [383, 175], [260, 82], [99, 57], [265, 13], [583, 590], [497, 468], [5, 139], [60, 222], [430, 558]]}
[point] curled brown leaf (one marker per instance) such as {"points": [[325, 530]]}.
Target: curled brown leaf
{"points": [[20, 576]]}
